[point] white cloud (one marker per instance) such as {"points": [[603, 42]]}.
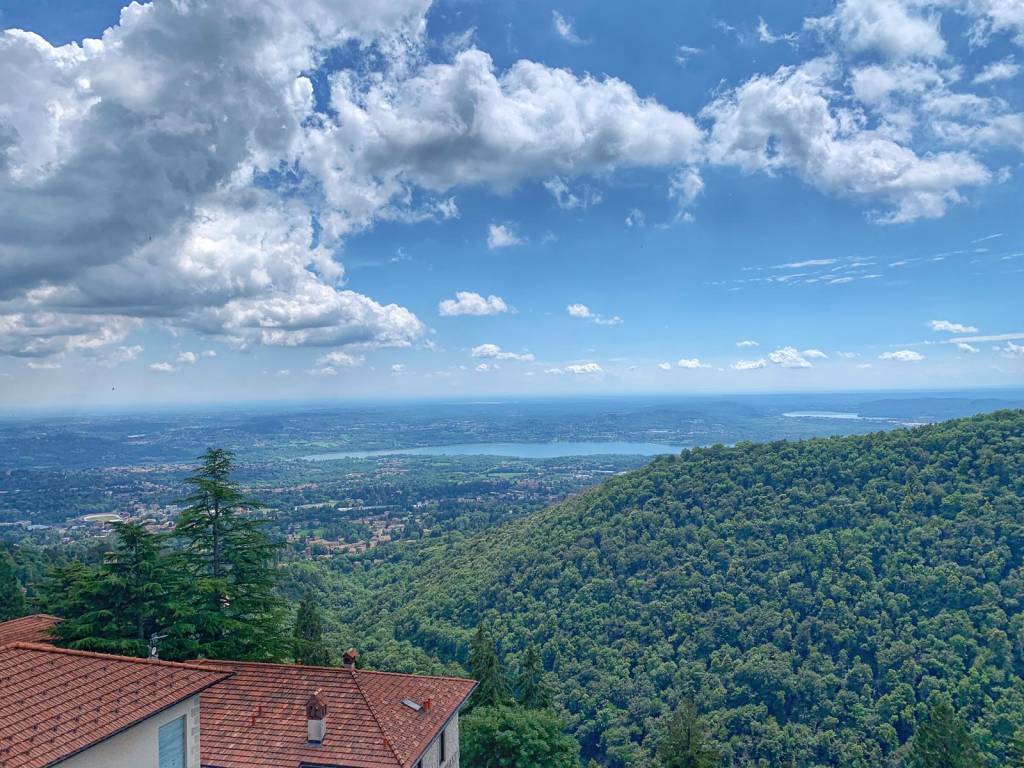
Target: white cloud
{"points": [[471, 303], [339, 359], [749, 365], [187, 358], [1005, 69], [789, 357], [554, 371], [636, 218], [847, 355], [494, 352], [43, 365], [786, 121], [691, 363], [584, 312], [162, 367], [123, 354], [814, 354], [806, 263], [563, 27], [501, 236], [209, 353], [747, 343], [684, 53], [765, 35], [894, 28], [990, 337], [946, 326], [484, 367], [665, 366], [584, 369], [902, 355], [566, 199], [685, 187], [965, 347], [398, 368], [1012, 350]]}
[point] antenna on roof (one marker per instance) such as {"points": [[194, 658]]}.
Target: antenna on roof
{"points": [[154, 640]]}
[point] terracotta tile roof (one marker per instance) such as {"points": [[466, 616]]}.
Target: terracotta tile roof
{"points": [[27, 629], [257, 718], [55, 702]]}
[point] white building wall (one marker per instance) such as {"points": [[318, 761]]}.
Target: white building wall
{"points": [[431, 758], [138, 747]]}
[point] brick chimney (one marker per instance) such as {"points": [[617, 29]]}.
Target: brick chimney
{"points": [[349, 659], [316, 718]]}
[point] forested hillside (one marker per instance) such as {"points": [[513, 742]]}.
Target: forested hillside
{"points": [[813, 597]]}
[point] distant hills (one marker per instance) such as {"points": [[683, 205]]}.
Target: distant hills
{"points": [[813, 597]]}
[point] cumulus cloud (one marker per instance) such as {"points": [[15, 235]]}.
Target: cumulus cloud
{"points": [[691, 363], [1011, 350], [102, 231], [786, 122], [893, 28], [501, 236], [471, 303], [665, 366], [187, 358], [814, 354], [749, 365], [584, 369], [684, 188], [494, 352], [339, 359], [162, 367], [747, 343], [789, 357], [965, 347], [635, 218], [902, 355], [586, 313], [567, 199], [945, 326]]}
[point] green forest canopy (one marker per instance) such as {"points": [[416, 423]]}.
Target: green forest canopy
{"points": [[816, 599]]}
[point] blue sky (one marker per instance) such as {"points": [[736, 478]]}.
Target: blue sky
{"points": [[289, 200]]}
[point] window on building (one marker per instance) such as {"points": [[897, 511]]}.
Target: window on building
{"points": [[172, 744], [442, 751]]}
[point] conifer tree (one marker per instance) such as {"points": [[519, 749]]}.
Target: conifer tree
{"points": [[531, 688], [486, 669], [942, 741], [115, 607], [684, 743], [308, 642], [229, 558], [12, 599]]}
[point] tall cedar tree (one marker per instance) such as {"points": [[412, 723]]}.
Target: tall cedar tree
{"points": [[234, 605], [486, 669], [531, 688], [115, 607], [12, 599], [684, 743], [942, 741], [308, 644]]}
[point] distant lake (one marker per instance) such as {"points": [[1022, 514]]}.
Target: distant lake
{"points": [[824, 415], [516, 450]]}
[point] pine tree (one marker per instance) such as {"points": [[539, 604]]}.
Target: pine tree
{"points": [[308, 642], [942, 741], [229, 557], [486, 669], [684, 743], [115, 607], [531, 688], [12, 599]]}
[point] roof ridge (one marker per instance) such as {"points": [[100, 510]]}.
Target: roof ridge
{"points": [[43, 648], [376, 719], [415, 674]]}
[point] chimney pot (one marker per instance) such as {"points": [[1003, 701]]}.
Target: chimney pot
{"points": [[316, 718], [349, 659]]}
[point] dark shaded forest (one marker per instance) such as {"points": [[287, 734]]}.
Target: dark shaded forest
{"points": [[814, 599]]}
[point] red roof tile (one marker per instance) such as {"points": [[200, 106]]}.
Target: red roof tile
{"points": [[27, 629], [257, 718], [55, 702]]}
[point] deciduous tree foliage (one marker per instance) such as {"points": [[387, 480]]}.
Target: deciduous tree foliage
{"points": [[684, 743], [505, 737], [812, 596], [12, 599]]}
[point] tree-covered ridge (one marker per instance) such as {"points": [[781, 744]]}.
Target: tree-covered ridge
{"points": [[816, 599]]}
